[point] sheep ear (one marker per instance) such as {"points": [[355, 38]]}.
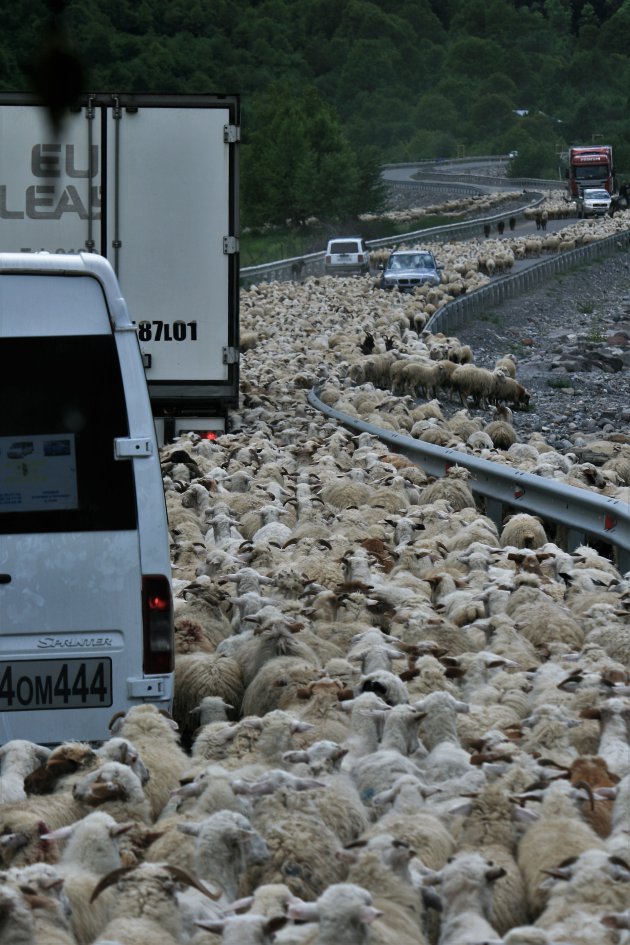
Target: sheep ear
{"points": [[462, 809], [494, 873], [605, 794], [525, 815], [431, 899], [274, 924], [211, 925], [62, 833], [303, 911], [294, 757], [118, 829], [192, 829], [346, 856], [590, 713]]}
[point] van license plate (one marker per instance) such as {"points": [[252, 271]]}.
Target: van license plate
{"points": [[55, 684]]}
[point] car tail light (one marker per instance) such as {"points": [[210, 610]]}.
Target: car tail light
{"points": [[328, 259], [360, 257], [157, 625]]}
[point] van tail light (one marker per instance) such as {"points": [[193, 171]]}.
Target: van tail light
{"points": [[328, 259], [157, 625], [360, 257]]}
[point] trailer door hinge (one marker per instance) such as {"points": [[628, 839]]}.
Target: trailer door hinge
{"points": [[230, 355], [128, 447], [230, 245], [231, 134]]}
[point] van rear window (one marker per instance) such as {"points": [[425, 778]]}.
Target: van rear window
{"points": [[62, 406]]}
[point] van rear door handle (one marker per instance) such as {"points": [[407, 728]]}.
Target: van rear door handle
{"points": [[128, 447]]}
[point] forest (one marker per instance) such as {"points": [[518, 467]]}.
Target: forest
{"points": [[332, 89]]}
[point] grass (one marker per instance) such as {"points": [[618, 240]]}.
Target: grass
{"points": [[595, 334], [560, 383], [585, 308]]}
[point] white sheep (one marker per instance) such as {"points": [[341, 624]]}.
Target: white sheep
{"points": [[155, 736], [91, 850], [115, 787], [42, 888], [146, 905], [581, 893], [18, 758], [344, 913], [465, 886], [557, 832]]}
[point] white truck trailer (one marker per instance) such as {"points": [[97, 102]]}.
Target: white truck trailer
{"points": [[149, 181]]}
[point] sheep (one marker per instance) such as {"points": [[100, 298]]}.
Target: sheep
{"points": [[116, 786], [523, 530], [541, 620], [18, 758], [582, 890], [199, 676], [478, 383], [557, 828], [276, 684], [489, 829], [507, 390], [465, 884], [146, 904], [409, 819], [68, 763], [16, 917], [344, 913], [23, 823], [451, 487], [41, 887], [317, 705], [245, 929], [381, 865], [331, 796], [225, 845], [91, 851], [301, 849], [155, 737], [502, 434], [613, 743], [446, 758]]}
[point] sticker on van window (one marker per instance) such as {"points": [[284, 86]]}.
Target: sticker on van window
{"points": [[38, 473]]}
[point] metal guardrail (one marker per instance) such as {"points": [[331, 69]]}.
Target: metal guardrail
{"points": [[583, 516], [456, 313], [298, 267]]}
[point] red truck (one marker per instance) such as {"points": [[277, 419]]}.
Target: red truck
{"points": [[590, 166]]}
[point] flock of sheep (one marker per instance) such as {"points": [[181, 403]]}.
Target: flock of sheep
{"points": [[394, 723]]}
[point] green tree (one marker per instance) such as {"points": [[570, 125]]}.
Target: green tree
{"points": [[298, 163]]}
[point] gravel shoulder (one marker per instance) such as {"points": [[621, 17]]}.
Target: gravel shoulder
{"points": [[571, 341]]}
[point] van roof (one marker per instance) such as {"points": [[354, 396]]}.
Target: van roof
{"points": [[72, 264]]}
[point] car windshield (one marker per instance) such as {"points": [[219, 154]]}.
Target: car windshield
{"points": [[597, 194], [411, 261]]}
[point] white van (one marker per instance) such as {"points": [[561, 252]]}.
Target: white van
{"points": [[86, 615]]}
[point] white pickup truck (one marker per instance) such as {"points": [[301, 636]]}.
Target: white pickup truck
{"points": [[593, 202]]}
